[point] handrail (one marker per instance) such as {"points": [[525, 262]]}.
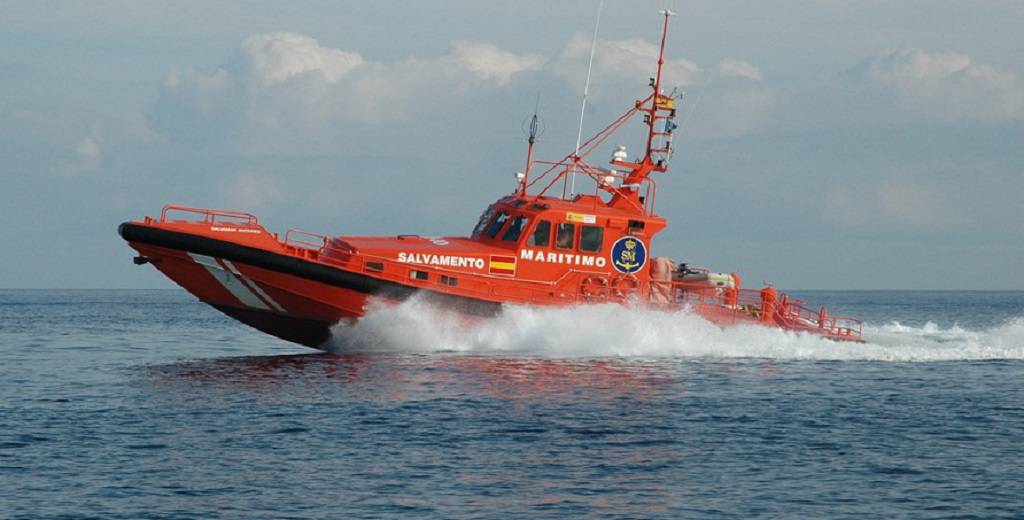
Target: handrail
{"points": [[318, 245], [649, 198], [587, 147], [796, 316], [210, 215], [749, 304]]}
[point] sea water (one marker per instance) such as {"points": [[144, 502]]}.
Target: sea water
{"points": [[149, 404]]}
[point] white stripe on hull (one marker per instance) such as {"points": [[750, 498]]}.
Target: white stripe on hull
{"points": [[249, 282], [230, 281]]}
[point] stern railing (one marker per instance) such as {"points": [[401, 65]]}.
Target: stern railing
{"points": [[737, 305], [794, 315]]}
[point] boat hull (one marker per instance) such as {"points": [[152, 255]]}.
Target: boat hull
{"points": [[288, 297]]}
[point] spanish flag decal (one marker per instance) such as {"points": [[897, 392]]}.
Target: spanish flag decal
{"points": [[505, 265], [579, 217]]}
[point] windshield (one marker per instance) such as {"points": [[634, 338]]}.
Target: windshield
{"points": [[515, 229], [541, 234], [496, 225], [482, 222]]}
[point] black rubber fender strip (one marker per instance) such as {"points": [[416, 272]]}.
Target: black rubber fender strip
{"points": [[298, 267]]}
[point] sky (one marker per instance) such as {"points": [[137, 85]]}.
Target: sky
{"points": [[822, 144]]}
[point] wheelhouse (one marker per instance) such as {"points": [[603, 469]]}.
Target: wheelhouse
{"points": [[550, 236]]}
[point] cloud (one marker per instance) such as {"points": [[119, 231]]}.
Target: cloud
{"points": [[897, 203], [275, 57], [732, 113], [946, 86], [730, 108], [910, 204], [197, 107], [253, 192], [915, 64], [739, 68], [629, 60], [285, 90], [489, 63], [85, 156], [88, 149]]}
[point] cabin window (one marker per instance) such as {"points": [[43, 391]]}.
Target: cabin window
{"points": [[374, 266], [418, 275], [496, 225], [515, 229], [565, 235], [541, 236], [591, 238], [484, 218], [449, 280]]}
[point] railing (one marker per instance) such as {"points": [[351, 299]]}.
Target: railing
{"points": [[305, 239], [795, 316], [650, 195], [213, 216], [726, 305]]}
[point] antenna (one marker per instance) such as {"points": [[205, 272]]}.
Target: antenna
{"points": [[583, 105], [534, 129]]}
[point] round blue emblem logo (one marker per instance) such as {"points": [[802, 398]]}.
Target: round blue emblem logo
{"points": [[628, 255]]}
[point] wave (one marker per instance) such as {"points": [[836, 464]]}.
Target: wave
{"points": [[609, 330]]}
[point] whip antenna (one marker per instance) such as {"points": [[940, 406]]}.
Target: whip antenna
{"points": [[535, 130], [583, 105]]}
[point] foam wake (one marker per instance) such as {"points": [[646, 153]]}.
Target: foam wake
{"points": [[614, 331]]}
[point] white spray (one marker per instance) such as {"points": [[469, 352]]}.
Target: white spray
{"points": [[597, 331]]}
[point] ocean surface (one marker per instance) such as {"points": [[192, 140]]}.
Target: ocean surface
{"points": [[149, 404]]}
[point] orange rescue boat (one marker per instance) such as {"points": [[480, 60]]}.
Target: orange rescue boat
{"points": [[528, 248]]}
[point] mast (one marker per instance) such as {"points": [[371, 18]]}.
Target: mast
{"points": [[661, 109], [658, 98]]}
